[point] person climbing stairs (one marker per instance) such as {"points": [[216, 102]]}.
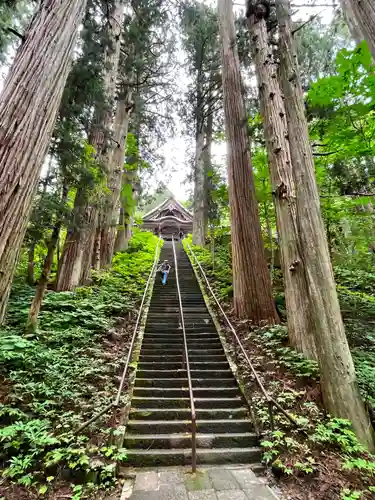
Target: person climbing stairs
{"points": [[159, 427]]}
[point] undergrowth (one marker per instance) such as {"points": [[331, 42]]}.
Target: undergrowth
{"points": [[55, 380]]}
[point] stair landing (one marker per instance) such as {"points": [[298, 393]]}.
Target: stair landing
{"points": [[214, 483]]}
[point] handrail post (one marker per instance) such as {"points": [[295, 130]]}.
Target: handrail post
{"points": [[191, 396]]}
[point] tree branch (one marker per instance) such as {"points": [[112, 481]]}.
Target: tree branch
{"points": [[14, 32]]}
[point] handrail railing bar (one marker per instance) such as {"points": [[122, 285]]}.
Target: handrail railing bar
{"points": [[115, 403], [191, 395], [269, 399]]}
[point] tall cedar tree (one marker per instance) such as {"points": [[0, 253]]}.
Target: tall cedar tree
{"points": [[363, 26], [338, 381], [251, 280], [200, 39], [27, 116], [276, 134], [76, 260], [111, 210]]}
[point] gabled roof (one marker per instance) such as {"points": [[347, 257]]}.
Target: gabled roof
{"points": [[169, 201]]}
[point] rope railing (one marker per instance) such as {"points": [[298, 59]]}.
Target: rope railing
{"points": [[271, 402], [115, 404], [191, 395]]}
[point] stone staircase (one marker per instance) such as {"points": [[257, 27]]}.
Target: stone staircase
{"points": [[159, 427]]}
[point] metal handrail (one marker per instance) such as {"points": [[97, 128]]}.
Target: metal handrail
{"points": [[270, 401], [116, 402], [191, 395]]}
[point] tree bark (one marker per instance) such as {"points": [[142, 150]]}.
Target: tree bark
{"points": [[338, 381], [360, 16], [251, 281], [126, 219], [30, 279], [41, 288], [80, 244], [276, 135], [200, 196], [116, 168], [207, 158], [77, 245], [28, 107], [351, 21]]}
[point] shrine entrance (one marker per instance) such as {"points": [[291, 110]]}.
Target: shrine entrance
{"points": [[169, 220]]}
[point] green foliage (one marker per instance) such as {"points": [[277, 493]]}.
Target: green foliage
{"points": [[274, 340], [62, 375], [347, 494], [300, 460], [216, 267], [345, 104], [338, 433]]}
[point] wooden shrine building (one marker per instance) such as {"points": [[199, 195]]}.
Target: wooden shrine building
{"points": [[169, 219]]}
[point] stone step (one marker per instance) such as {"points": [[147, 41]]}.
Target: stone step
{"points": [[148, 426], [189, 327], [164, 402], [233, 415], [183, 382], [182, 373], [193, 344], [180, 392], [150, 350], [177, 365], [160, 457], [178, 333], [172, 441], [192, 357]]}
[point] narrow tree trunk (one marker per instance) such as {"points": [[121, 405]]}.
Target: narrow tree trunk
{"points": [[276, 135], [124, 232], [251, 282], [360, 16], [97, 250], [78, 248], [30, 280], [338, 381], [116, 168], [200, 197], [76, 242], [120, 235], [269, 234], [36, 304], [207, 167], [28, 107]]}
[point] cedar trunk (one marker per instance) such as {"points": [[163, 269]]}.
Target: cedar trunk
{"points": [[360, 15], [251, 281], [80, 244], [116, 167], [338, 381], [276, 135], [200, 197], [28, 107], [124, 233]]}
